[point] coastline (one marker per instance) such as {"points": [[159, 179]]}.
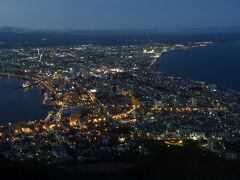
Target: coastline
{"points": [[29, 100], [201, 64]]}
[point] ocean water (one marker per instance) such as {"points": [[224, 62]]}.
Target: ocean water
{"points": [[217, 64], [20, 105]]}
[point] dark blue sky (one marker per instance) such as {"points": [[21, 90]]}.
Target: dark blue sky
{"points": [[120, 14]]}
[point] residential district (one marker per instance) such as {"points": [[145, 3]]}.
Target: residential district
{"points": [[108, 100]]}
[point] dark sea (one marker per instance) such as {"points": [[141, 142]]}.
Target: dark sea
{"points": [[18, 104], [217, 64]]}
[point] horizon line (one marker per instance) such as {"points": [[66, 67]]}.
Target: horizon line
{"points": [[136, 30]]}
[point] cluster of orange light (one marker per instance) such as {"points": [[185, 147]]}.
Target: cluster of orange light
{"points": [[49, 127], [26, 130], [174, 142], [120, 116], [73, 122], [124, 115]]}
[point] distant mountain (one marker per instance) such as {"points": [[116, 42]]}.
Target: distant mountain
{"points": [[22, 37], [10, 29], [233, 29], [14, 29]]}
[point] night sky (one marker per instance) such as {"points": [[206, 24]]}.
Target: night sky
{"points": [[120, 14]]}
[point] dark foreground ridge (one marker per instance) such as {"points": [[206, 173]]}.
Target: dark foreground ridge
{"points": [[188, 162]]}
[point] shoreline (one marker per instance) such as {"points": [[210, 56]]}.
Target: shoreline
{"points": [[180, 73], [5, 122]]}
